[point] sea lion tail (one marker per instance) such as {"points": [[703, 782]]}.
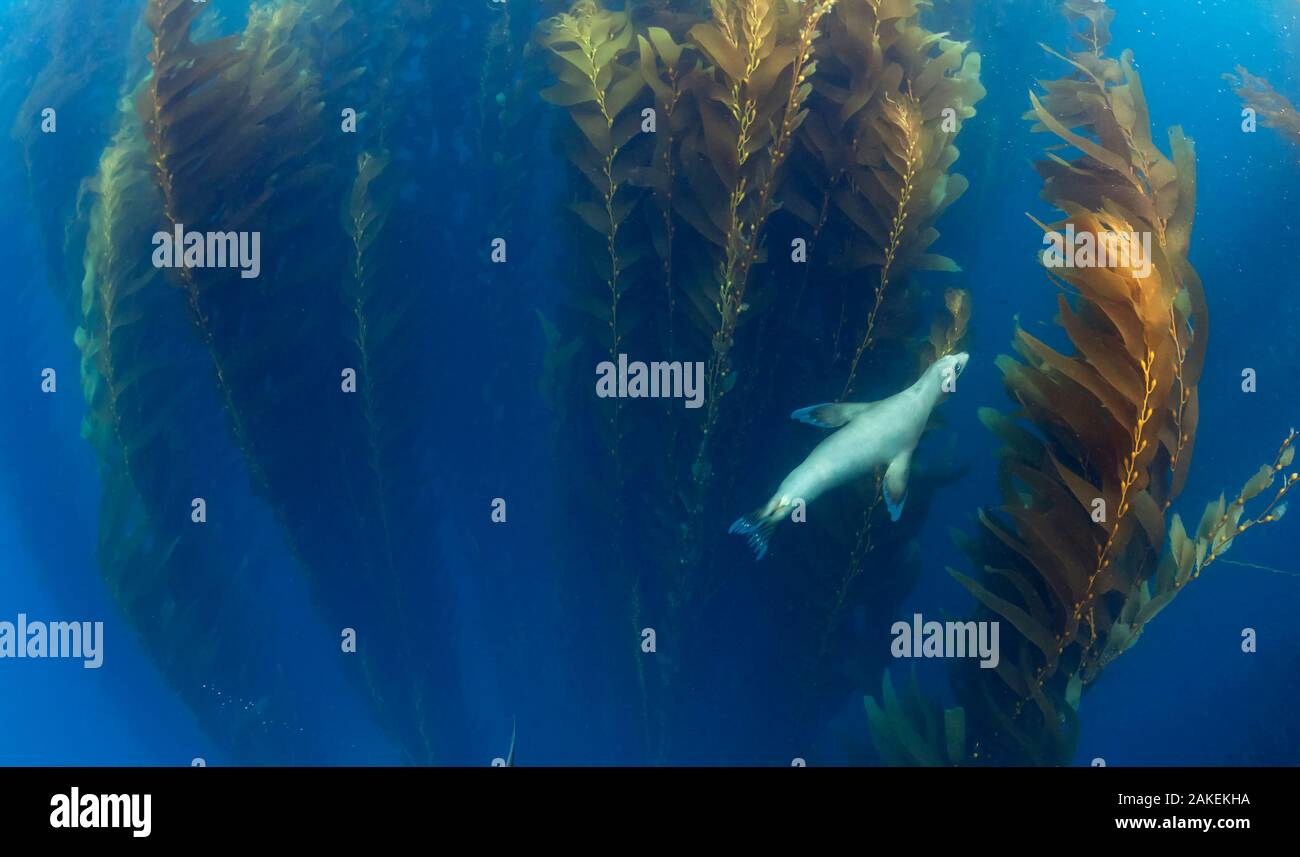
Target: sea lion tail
{"points": [[759, 524]]}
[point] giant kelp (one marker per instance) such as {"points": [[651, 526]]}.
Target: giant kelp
{"points": [[592, 55], [386, 304], [750, 98], [175, 579], [889, 102], [237, 141], [186, 588], [507, 110], [1083, 520], [79, 86], [315, 368], [596, 80], [700, 142], [1075, 561], [1258, 94]]}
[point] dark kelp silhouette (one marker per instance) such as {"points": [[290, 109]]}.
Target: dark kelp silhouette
{"points": [[79, 86], [230, 134], [172, 578]]}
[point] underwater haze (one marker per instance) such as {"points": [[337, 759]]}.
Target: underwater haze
{"points": [[649, 382]]}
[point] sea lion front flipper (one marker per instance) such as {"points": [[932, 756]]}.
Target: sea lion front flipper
{"points": [[832, 414], [896, 484]]}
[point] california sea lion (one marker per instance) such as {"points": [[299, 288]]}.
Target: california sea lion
{"points": [[870, 435]]}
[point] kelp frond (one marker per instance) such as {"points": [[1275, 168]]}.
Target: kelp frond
{"points": [[748, 122], [904, 116], [237, 142], [179, 584], [888, 104], [1085, 492], [1189, 554], [1276, 109], [912, 730], [591, 50], [665, 65]]}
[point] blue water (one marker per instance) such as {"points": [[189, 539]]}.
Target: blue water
{"points": [[519, 637]]}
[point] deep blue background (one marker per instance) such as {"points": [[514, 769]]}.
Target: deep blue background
{"points": [[1185, 694]]}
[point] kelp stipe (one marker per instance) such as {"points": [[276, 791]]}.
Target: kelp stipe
{"points": [[666, 65], [507, 111], [591, 53], [1189, 554], [761, 57], [386, 304]]}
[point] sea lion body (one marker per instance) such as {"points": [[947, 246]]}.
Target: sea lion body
{"points": [[869, 436]]}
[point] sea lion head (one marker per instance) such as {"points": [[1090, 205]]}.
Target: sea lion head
{"points": [[951, 366]]}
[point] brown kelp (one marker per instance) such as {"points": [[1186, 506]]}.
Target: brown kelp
{"points": [[704, 139], [878, 153], [750, 97], [1274, 108], [1080, 555], [236, 140], [1085, 517]]}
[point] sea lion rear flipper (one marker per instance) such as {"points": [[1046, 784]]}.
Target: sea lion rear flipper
{"points": [[895, 485], [758, 525], [832, 414]]}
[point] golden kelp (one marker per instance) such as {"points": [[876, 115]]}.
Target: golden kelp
{"points": [[1085, 494], [889, 100], [1076, 560]]}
